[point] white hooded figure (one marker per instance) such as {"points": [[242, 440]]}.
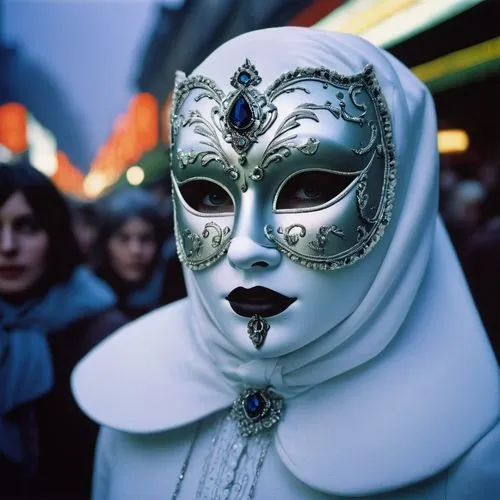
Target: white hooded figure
{"points": [[329, 346]]}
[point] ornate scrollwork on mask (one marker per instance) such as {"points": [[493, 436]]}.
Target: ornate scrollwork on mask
{"points": [[362, 150], [192, 243], [204, 128], [309, 147], [355, 86], [176, 124], [362, 194], [281, 147], [186, 158], [319, 244], [362, 231], [219, 233], [241, 116], [192, 248], [245, 114], [293, 233], [339, 112]]}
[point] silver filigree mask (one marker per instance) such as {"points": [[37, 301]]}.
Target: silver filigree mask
{"points": [[307, 165]]}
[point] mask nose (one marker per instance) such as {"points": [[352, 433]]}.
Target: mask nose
{"points": [[246, 254]]}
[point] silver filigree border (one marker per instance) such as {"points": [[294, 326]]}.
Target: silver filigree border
{"points": [[181, 254]]}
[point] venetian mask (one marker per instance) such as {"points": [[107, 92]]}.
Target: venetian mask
{"points": [[312, 153]]}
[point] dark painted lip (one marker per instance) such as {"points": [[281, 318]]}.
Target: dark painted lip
{"points": [[139, 266], [258, 300], [11, 272], [14, 267]]}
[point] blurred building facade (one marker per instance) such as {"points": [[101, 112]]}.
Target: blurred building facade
{"points": [[4, 62], [182, 38], [465, 84], [26, 82]]}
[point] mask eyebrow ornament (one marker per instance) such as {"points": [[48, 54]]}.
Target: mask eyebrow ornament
{"points": [[241, 116]]}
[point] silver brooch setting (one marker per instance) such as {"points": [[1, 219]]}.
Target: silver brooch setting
{"points": [[257, 329], [256, 411]]}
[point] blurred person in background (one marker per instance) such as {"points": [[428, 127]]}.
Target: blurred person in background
{"points": [[156, 166], [448, 180], [489, 176], [160, 187], [463, 212], [85, 223], [129, 253], [52, 312], [161, 191], [481, 261]]}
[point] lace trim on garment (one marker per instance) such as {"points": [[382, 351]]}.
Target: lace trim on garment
{"points": [[233, 464]]}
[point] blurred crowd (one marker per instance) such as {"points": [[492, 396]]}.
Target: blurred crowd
{"points": [[71, 273], [470, 207]]}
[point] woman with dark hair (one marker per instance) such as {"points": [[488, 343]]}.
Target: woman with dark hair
{"points": [[131, 253], [52, 311]]}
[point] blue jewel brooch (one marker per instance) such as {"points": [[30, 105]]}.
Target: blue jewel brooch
{"points": [[256, 411]]}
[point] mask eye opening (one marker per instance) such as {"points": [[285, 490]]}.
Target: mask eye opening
{"points": [[311, 190], [205, 197]]}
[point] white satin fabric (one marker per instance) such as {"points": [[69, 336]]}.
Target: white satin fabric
{"points": [[389, 397], [131, 466]]}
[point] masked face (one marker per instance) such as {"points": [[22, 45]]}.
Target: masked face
{"points": [[304, 170]]}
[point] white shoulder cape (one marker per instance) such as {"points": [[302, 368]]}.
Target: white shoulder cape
{"points": [[396, 420]]}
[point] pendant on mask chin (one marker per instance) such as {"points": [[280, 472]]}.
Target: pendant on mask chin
{"points": [[257, 330]]}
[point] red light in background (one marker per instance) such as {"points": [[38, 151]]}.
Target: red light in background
{"points": [[13, 127]]}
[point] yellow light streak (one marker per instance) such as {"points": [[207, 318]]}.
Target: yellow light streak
{"points": [[453, 141]]}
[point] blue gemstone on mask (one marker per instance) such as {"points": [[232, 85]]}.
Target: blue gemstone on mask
{"points": [[254, 405], [240, 114], [244, 77]]}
